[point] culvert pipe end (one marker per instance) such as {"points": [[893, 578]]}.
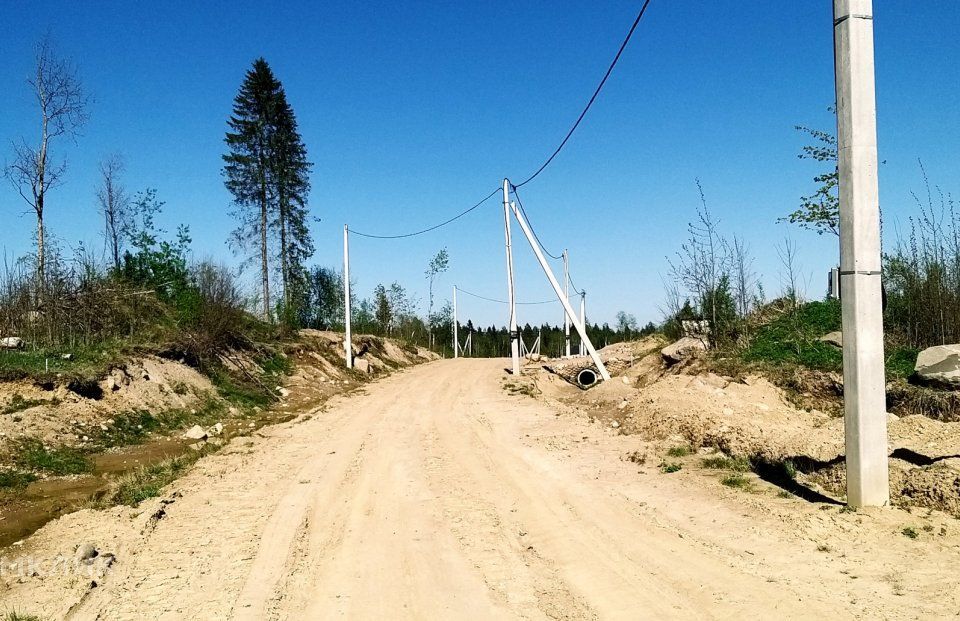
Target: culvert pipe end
{"points": [[587, 378]]}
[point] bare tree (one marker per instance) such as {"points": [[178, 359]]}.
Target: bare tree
{"points": [[790, 274], [743, 275], [703, 260], [114, 205], [63, 111]]}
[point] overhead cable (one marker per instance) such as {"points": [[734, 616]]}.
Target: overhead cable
{"points": [[613, 64]]}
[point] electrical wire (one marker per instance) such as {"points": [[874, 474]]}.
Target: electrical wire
{"points": [[613, 64], [483, 297], [532, 230], [432, 228], [576, 289]]}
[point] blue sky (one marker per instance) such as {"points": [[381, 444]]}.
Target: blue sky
{"points": [[413, 111]]}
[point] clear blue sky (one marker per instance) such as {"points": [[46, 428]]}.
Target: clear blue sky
{"points": [[413, 111]]}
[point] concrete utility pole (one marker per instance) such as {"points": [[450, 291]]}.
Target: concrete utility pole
{"points": [[348, 340], [583, 317], [456, 340], [864, 399], [535, 246], [514, 334], [566, 294]]}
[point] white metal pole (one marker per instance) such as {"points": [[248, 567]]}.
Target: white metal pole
{"points": [[456, 339], [864, 396], [514, 335], [583, 316], [566, 294], [348, 340], [556, 289]]}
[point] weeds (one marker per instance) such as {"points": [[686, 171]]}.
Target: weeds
{"points": [[135, 426], [15, 479], [910, 532], [722, 462], [147, 482], [19, 404], [13, 615], [30, 454], [679, 451], [670, 467], [736, 480]]}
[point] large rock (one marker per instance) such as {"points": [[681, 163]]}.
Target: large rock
{"points": [[938, 366], [683, 349], [361, 365], [11, 342], [833, 338], [195, 433]]}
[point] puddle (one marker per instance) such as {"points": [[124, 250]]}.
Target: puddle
{"points": [[46, 500]]}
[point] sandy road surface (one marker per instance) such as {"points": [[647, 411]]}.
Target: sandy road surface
{"points": [[435, 495]]}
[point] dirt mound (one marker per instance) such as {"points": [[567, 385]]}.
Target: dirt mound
{"points": [[63, 413]]}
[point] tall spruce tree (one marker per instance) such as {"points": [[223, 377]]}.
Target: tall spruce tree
{"points": [[290, 182], [267, 172]]}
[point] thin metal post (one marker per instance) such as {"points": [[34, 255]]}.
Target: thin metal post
{"points": [[566, 294], [348, 339], [559, 292], [864, 394], [514, 334], [456, 340]]}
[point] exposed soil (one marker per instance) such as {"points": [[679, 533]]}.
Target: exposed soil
{"points": [[754, 419]]}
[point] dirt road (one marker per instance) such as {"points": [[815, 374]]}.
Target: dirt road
{"points": [[436, 495]]}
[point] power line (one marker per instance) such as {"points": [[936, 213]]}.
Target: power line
{"points": [[432, 228], [532, 230], [613, 64], [483, 297], [577, 289]]}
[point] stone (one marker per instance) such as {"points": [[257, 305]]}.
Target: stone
{"points": [[216, 430], [11, 342], [938, 366], [86, 552], [683, 349], [361, 365], [833, 338], [615, 424], [66, 356], [111, 384], [195, 433]]}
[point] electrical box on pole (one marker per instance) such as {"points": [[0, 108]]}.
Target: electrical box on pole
{"points": [[864, 396]]}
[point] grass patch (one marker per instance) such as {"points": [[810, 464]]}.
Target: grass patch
{"points": [[722, 462], [135, 426], [679, 451], [147, 482], [15, 479], [19, 404], [792, 338], [910, 532], [670, 467], [521, 389], [85, 362], [20, 616], [245, 395], [30, 454], [736, 480]]}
